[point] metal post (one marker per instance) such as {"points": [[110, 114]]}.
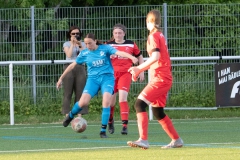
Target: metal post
{"points": [[150, 107], [11, 94], [165, 27], [33, 54], [165, 21]]}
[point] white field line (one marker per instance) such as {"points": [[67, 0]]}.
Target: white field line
{"points": [[116, 147], [62, 149]]}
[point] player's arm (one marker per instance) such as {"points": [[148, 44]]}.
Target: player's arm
{"points": [[146, 65], [135, 71], [154, 56], [68, 69], [124, 54], [137, 53], [140, 61]]}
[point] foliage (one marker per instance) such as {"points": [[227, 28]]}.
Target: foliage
{"points": [[193, 33], [46, 105], [193, 30], [82, 3], [145, 2], [191, 98], [36, 3]]}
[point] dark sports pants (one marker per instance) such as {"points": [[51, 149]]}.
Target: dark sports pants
{"points": [[73, 82]]}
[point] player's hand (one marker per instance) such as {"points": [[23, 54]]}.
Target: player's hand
{"points": [[113, 56], [59, 84], [135, 72]]}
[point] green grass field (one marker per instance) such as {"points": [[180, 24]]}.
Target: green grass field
{"points": [[204, 139]]}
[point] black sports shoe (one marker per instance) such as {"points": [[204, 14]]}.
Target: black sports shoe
{"points": [[124, 131], [103, 135], [111, 128], [67, 120]]}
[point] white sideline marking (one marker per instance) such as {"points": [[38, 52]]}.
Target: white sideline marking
{"points": [[62, 149], [116, 147]]}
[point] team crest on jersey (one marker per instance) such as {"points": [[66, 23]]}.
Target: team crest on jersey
{"points": [[161, 35], [102, 53]]}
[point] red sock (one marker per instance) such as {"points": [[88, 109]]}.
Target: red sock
{"points": [[168, 127], [111, 114], [142, 120], [124, 111]]}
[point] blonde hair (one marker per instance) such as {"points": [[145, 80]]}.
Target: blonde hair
{"points": [[154, 16]]}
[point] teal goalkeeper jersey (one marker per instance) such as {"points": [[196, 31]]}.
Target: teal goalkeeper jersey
{"points": [[98, 61]]}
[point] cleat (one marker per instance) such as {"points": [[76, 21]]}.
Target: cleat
{"points": [[111, 128], [67, 120], [174, 144], [143, 144], [103, 135], [124, 131]]}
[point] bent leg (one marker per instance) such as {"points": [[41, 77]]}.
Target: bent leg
{"points": [[165, 122]]}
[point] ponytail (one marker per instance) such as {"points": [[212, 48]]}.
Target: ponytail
{"points": [[155, 29], [99, 42]]}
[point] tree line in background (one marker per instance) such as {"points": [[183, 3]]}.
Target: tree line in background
{"points": [[82, 3], [193, 30], [198, 28]]}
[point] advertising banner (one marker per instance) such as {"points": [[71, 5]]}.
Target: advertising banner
{"points": [[227, 84]]}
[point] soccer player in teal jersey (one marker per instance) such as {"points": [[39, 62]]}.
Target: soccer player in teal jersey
{"points": [[100, 77]]}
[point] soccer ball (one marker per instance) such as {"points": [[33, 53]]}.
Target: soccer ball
{"points": [[79, 124]]}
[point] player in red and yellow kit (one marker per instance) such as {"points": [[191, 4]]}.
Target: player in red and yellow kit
{"points": [[121, 74], [155, 93]]}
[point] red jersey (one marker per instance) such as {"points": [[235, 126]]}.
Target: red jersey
{"points": [[160, 70], [122, 64]]}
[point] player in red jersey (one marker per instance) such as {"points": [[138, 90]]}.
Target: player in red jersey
{"points": [[155, 93], [121, 74]]}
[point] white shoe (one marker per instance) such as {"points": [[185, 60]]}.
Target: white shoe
{"points": [[139, 143], [174, 144]]}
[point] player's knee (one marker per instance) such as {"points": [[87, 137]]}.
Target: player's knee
{"points": [[82, 104], [158, 112], [140, 106]]}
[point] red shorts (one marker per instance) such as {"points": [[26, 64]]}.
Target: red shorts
{"points": [[122, 81], [156, 92]]}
